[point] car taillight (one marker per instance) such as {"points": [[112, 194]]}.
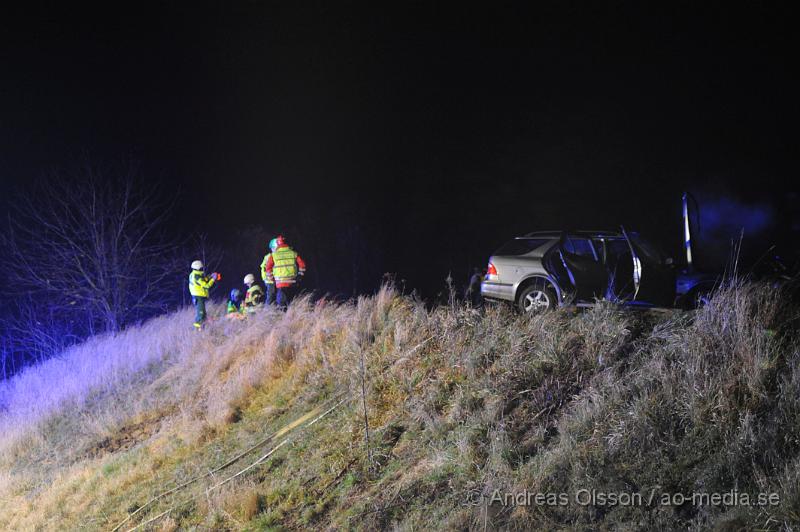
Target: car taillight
{"points": [[491, 270]]}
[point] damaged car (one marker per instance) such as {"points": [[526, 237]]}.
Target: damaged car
{"points": [[545, 269]]}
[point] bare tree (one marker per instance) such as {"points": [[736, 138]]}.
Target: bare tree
{"points": [[35, 332], [91, 249]]}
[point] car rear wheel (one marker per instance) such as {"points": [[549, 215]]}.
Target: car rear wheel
{"points": [[536, 298]]}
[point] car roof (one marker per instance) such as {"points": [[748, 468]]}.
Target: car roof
{"points": [[585, 233]]}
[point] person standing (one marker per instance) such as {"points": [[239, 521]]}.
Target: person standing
{"points": [[473, 291], [285, 267], [268, 282], [199, 285]]}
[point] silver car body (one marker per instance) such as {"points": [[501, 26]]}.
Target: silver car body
{"points": [[514, 270], [581, 266]]}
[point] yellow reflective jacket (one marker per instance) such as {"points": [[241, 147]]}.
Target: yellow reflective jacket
{"points": [[285, 268], [254, 296], [264, 276], [199, 283]]}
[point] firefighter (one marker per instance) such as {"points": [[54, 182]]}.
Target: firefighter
{"points": [[268, 282], [199, 285], [285, 267], [255, 294], [473, 291], [235, 302]]}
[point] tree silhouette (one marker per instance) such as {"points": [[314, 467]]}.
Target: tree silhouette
{"points": [[87, 252]]}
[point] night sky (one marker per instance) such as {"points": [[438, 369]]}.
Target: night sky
{"points": [[418, 138]]}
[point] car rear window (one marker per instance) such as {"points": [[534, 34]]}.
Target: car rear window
{"points": [[578, 246], [521, 246]]}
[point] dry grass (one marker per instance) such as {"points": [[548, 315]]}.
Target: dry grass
{"points": [[461, 403]]}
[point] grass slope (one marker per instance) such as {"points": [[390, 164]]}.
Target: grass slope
{"points": [[463, 407]]}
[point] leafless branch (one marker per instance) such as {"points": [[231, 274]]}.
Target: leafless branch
{"points": [[88, 250]]}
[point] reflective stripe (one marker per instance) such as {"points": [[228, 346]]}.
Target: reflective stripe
{"points": [[264, 274], [199, 284], [254, 296], [285, 264]]}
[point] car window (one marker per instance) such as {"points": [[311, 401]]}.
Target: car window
{"points": [[600, 247], [648, 251], [614, 249], [578, 246], [521, 246]]}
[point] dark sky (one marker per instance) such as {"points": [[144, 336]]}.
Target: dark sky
{"points": [[435, 133]]}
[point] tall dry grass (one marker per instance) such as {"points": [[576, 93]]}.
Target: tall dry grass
{"points": [[459, 402]]}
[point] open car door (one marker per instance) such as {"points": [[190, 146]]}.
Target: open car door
{"points": [[615, 254], [653, 278], [576, 267]]}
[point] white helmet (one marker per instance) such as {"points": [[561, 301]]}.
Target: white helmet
{"points": [[197, 265], [249, 278]]}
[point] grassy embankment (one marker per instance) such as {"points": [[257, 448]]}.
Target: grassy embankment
{"points": [[462, 406]]}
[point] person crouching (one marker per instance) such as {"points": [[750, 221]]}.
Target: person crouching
{"points": [[254, 297]]}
